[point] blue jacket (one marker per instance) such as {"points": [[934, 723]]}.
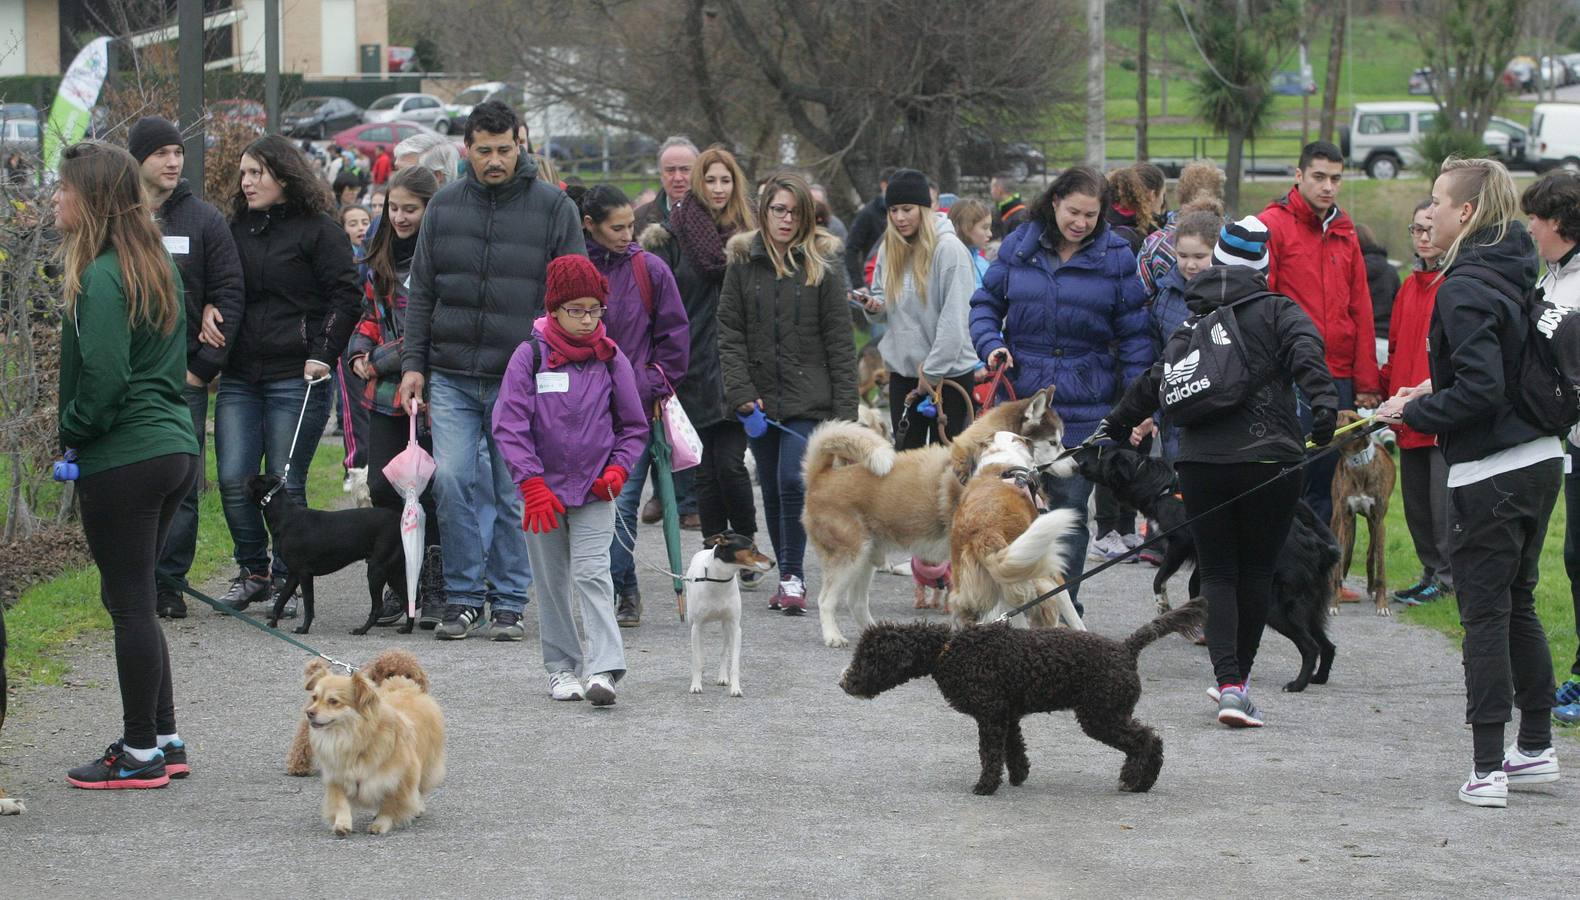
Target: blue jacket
{"points": [[1081, 327], [1168, 310]]}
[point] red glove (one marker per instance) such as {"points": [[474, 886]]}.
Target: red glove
{"points": [[607, 486], [539, 507]]}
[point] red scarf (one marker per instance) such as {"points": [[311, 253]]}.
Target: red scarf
{"points": [[565, 347]]}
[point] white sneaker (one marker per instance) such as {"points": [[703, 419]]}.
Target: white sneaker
{"points": [[1522, 769], [1213, 693], [600, 689], [1491, 791], [1132, 541], [565, 686], [1106, 547]]}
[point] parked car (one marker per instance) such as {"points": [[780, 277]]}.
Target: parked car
{"points": [[319, 117], [1291, 84], [367, 138], [1555, 136], [249, 111], [1421, 80], [513, 95], [19, 134], [424, 109], [626, 151], [1382, 137], [982, 156], [1520, 74]]}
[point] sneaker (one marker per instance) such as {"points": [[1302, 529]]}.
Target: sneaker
{"points": [[1131, 542], [171, 605], [1349, 595], [752, 580], [1236, 710], [691, 522], [1433, 592], [119, 770], [628, 614], [1523, 769], [459, 622], [1493, 790], [791, 596], [652, 511], [565, 686], [1213, 694], [176, 758], [392, 610], [1106, 547], [1567, 715], [1152, 557], [1568, 692], [244, 589], [290, 602], [1412, 590], [507, 626], [600, 689], [430, 590]]}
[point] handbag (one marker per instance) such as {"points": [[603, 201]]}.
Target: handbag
{"points": [[685, 445]]}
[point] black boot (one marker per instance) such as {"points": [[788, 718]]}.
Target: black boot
{"points": [[430, 590]]}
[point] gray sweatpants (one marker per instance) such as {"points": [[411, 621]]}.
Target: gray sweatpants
{"points": [[572, 562]]}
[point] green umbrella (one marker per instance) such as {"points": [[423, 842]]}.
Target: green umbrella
{"points": [[664, 486]]}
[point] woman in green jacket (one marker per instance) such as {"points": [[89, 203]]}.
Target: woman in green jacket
{"points": [[787, 349], [122, 364]]}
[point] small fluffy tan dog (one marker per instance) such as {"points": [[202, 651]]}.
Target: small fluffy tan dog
{"points": [[378, 746]]}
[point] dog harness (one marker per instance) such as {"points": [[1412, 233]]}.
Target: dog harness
{"points": [[1026, 481]]}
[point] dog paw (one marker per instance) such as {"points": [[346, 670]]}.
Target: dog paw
{"points": [[342, 828], [735, 691], [11, 807], [984, 789], [835, 641], [696, 687], [381, 825], [300, 629], [1384, 611], [1333, 610], [1016, 779], [1294, 687], [359, 631]]}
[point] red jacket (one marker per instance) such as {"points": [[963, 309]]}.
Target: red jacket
{"points": [[1322, 269], [1407, 331], [383, 167]]}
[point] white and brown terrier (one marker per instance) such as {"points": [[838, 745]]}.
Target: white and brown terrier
{"points": [[713, 594], [1362, 485]]}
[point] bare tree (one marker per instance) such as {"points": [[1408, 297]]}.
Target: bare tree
{"points": [[1330, 79], [1467, 43]]}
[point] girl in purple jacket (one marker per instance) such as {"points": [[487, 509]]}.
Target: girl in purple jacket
{"points": [[570, 425]]}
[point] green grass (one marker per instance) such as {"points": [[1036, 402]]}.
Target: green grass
{"points": [[1553, 602], [51, 614]]}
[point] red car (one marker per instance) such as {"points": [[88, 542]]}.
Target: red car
{"points": [[369, 137]]}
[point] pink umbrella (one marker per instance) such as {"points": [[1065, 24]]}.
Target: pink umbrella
{"points": [[409, 473]]}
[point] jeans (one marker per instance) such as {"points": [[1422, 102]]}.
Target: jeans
{"points": [[1572, 540], [1319, 475], [1423, 482], [1072, 493], [622, 568], [784, 493], [724, 488], [462, 408], [253, 425], [1495, 547], [175, 560], [126, 516]]}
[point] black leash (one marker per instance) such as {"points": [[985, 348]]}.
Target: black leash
{"points": [[1160, 536], [199, 595]]}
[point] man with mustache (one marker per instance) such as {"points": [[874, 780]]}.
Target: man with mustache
{"points": [[476, 286]]}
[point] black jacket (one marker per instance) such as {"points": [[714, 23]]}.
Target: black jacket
{"points": [[478, 276], [198, 239], [701, 392], [866, 230], [1473, 352], [303, 293], [1282, 348], [1382, 280]]}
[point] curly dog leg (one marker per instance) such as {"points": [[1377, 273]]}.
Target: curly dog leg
{"points": [[1015, 755], [1142, 747], [991, 736]]}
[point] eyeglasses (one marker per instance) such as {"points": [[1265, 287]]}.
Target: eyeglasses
{"points": [[780, 211], [581, 312], [1418, 230]]}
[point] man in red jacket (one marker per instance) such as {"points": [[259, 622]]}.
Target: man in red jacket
{"points": [[1315, 260]]}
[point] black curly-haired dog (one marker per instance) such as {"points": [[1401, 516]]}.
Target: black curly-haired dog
{"points": [[1301, 582], [997, 674]]}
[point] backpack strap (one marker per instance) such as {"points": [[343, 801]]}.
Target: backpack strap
{"points": [[1494, 279], [644, 284]]}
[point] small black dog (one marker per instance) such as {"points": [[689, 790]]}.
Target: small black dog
{"points": [[316, 542], [998, 674], [1301, 583]]}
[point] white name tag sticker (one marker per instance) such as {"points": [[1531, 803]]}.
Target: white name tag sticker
{"points": [[554, 382], [178, 245]]}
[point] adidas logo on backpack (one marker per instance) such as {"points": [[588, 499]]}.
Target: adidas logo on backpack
{"points": [[1207, 374]]}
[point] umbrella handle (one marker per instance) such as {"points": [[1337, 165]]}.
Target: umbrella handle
{"points": [[412, 423]]}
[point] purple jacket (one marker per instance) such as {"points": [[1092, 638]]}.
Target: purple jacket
{"points": [[662, 339], [567, 437]]}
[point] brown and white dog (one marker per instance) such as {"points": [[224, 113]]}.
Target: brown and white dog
{"points": [[1362, 484], [1003, 551], [865, 502]]}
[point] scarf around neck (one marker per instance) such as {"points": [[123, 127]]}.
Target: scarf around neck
{"points": [[565, 347]]}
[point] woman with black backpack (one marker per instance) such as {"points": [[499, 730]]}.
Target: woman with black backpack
{"points": [[1503, 470], [1234, 447]]}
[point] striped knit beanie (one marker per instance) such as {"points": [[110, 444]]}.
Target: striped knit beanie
{"points": [[1242, 243]]}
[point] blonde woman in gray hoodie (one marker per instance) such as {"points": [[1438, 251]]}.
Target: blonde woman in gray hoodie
{"points": [[921, 289]]}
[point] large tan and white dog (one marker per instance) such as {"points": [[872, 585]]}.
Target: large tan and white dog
{"points": [[1004, 552], [881, 502]]}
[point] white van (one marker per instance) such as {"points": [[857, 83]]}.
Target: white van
{"points": [[1382, 137], [1555, 136]]}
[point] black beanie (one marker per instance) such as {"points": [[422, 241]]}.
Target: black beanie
{"points": [[149, 134], [908, 186]]}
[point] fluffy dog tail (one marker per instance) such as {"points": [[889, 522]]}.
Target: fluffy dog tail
{"points": [[849, 441], [1192, 613], [396, 662], [1036, 550]]}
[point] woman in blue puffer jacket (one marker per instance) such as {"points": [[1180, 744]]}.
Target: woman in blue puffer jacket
{"points": [[1063, 306]]}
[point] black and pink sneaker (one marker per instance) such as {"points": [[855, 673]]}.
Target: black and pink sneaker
{"points": [[176, 759], [118, 770]]}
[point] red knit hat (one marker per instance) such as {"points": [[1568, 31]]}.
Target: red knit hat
{"points": [[572, 278]]}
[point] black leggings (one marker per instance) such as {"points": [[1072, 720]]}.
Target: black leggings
{"points": [[919, 429], [1236, 552], [724, 487], [387, 437], [126, 513]]}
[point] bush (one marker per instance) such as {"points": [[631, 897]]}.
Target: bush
{"points": [[1441, 143]]}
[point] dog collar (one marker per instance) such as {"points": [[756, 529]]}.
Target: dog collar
{"points": [[711, 580], [1363, 458], [269, 494], [1025, 479]]}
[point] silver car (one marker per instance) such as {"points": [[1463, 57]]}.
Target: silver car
{"points": [[424, 109]]}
